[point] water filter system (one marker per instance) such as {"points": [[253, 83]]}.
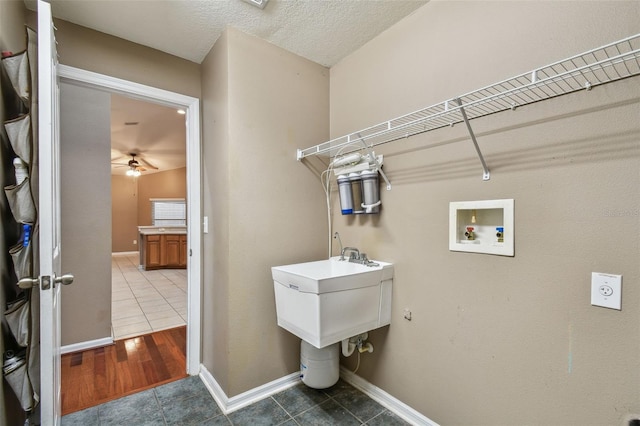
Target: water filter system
{"points": [[358, 183], [359, 192]]}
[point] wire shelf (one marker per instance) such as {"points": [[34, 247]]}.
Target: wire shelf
{"points": [[605, 64]]}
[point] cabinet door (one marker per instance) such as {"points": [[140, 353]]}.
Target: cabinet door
{"points": [[153, 252], [172, 250], [183, 251]]}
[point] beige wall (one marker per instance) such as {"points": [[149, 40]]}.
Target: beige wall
{"points": [[265, 208], [500, 340], [124, 216], [215, 201], [91, 50], [169, 184], [12, 38], [86, 212]]}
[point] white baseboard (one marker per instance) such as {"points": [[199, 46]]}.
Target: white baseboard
{"points": [[393, 404], [83, 346], [229, 405], [125, 253]]}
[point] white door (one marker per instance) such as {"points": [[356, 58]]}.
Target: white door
{"points": [[49, 219]]}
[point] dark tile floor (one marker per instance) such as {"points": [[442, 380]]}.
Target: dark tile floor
{"points": [[187, 402]]}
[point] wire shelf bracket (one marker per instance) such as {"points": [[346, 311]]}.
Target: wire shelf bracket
{"points": [[486, 175], [605, 64]]}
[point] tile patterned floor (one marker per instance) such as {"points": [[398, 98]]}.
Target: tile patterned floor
{"points": [[145, 301], [187, 402]]}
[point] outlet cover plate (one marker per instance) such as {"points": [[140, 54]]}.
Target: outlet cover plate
{"points": [[606, 290]]}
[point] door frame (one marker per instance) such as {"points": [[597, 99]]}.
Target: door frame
{"points": [[191, 105]]}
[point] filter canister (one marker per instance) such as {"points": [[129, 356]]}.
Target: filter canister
{"points": [[346, 199], [356, 192], [370, 190]]}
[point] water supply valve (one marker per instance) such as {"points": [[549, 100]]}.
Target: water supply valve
{"points": [[500, 234], [469, 233]]}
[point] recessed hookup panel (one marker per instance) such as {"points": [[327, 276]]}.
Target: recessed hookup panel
{"points": [[484, 226]]}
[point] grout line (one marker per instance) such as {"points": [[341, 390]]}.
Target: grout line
{"points": [[283, 409], [155, 395], [126, 264]]}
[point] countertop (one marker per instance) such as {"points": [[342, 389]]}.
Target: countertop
{"points": [[155, 230]]}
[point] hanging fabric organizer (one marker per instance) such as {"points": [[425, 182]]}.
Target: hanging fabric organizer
{"points": [[21, 358]]}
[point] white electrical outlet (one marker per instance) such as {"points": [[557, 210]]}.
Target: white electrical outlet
{"points": [[606, 290]]}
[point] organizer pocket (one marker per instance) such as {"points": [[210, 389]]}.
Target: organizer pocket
{"points": [[17, 316], [21, 256], [21, 202], [19, 132], [17, 68], [15, 373]]}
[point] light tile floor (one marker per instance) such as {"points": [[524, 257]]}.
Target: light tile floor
{"points": [[145, 301], [187, 402]]}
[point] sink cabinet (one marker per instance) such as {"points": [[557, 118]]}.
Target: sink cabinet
{"points": [[164, 251]]}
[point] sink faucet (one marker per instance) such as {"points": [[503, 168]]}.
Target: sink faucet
{"points": [[353, 251]]}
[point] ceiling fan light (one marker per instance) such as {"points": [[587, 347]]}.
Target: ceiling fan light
{"points": [[130, 172], [136, 173]]}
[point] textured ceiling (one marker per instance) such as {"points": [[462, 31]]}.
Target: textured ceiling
{"points": [[323, 31]]}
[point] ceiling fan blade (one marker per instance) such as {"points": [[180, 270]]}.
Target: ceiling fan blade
{"points": [[117, 156], [149, 165]]}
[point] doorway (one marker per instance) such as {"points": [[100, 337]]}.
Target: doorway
{"points": [[79, 77], [148, 192]]}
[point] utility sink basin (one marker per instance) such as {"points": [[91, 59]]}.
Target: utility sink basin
{"points": [[326, 301]]}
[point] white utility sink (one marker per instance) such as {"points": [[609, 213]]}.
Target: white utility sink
{"points": [[326, 301]]}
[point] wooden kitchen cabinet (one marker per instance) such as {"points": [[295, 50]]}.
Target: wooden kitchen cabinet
{"points": [[183, 251], [165, 251], [153, 249], [172, 249]]}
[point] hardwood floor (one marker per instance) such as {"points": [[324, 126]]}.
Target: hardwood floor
{"points": [[128, 366]]}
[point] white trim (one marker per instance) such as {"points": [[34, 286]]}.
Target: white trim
{"points": [[229, 405], [393, 404], [83, 346], [194, 228], [124, 87]]}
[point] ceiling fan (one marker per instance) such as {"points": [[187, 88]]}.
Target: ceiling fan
{"points": [[135, 166]]}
